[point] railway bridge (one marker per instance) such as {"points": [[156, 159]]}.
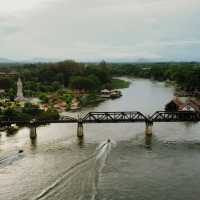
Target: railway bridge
{"points": [[110, 117]]}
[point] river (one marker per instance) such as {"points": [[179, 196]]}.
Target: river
{"points": [[58, 166]]}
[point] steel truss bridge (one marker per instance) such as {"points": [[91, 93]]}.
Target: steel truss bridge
{"points": [[114, 117], [108, 117]]}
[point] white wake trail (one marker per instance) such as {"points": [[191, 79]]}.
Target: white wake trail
{"points": [[91, 175]]}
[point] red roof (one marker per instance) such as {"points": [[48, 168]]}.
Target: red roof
{"points": [[177, 101], [196, 102]]}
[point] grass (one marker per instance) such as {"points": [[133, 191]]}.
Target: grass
{"points": [[119, 84]]}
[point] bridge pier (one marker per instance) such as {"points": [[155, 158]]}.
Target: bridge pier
{"points": [[80, 129], [149, 128], [148, 141], [33, 132]]}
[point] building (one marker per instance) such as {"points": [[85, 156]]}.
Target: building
{"points": [[196, 102], [2, 91], [105, 93], [115, 94], [181, 105], [20, 95], [190, 105], [6, 74], [174, 105]]}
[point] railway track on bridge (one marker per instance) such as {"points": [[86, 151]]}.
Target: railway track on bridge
{"points": [[114, 117], [109, 117]]}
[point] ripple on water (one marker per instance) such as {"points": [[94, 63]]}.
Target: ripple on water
{"points": [[80, 180]]}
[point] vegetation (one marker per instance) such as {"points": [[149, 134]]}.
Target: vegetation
{"points": [[39, 78], [9, 85], [89, 99], [90, 83], [54, 83], [185, 75], [119, 84], [27, 113], [50, 77]]}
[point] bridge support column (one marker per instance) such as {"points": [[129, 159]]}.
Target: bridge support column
{"points": [[80, 129], [33, 132], [149, 128], [148, 141]]}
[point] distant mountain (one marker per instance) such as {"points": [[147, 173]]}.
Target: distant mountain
{"points": [[53, 60], [5, 60], [34, 60], [131, 60], [119, 60], [42, 60]]}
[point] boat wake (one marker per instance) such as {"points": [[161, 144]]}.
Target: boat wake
{"points": [[9, 159], [79, 181]]}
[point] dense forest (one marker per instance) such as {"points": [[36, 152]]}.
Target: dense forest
{"points": [[49, 77], [185, 75]]}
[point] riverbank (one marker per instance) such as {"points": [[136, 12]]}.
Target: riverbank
{"points": [[117, 83], [74, 100], [51, 103], [93, 99], [184, 76]]}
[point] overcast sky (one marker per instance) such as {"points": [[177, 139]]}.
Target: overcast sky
{"points": [[100, 29]]}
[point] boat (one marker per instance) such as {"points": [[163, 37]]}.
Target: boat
{"points": [[115, 94], [105, 93], [12, 129], [110, 94], [2, 129]]}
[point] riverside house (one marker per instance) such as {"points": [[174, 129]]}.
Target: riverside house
{"points": [[183, 105]]}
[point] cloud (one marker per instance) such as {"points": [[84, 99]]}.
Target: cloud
{"points": [[10, 6], [99, 29]]}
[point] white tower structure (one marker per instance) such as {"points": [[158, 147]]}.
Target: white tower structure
{"points": [[20, 95]]}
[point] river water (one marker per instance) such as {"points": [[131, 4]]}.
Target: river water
{"points": [[58, 166]]}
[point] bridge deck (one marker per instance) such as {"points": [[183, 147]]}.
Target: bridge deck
{"points": [[181, 116], [115, 117]]}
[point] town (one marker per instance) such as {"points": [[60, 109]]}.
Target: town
{"points": [[53, 100], [22, 97]]}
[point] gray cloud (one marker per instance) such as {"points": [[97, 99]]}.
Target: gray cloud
{"points": [[104, 29], [7, 30]]}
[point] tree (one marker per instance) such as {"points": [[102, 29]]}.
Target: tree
{"points": [[31, 110], [11, 94], [44, 98], [87, 83]]}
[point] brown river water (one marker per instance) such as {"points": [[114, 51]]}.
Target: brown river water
{"points": [[59, 166]]}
